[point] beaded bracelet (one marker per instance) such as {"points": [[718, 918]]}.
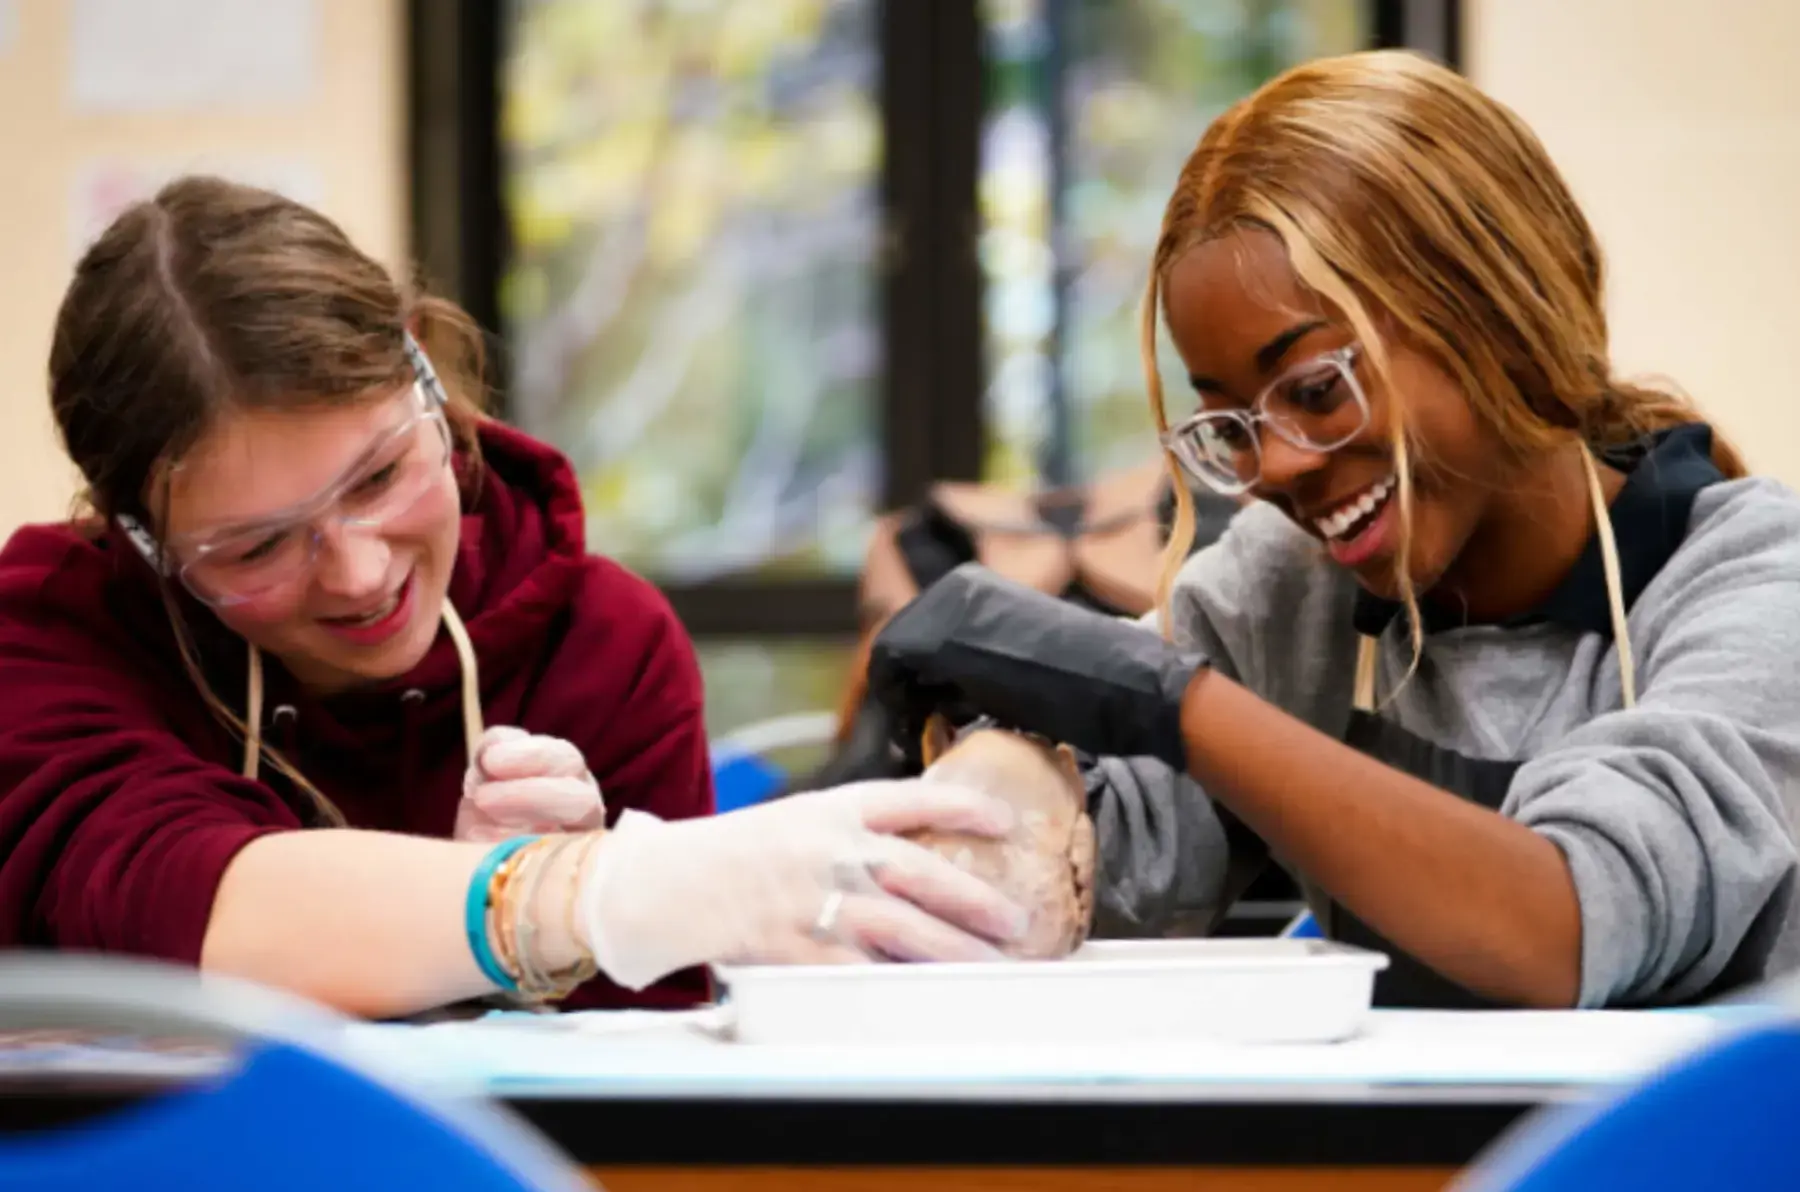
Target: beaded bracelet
{"points": [[520, 907], [479, 900], [535, 981], [515, 914], [587, 969]]}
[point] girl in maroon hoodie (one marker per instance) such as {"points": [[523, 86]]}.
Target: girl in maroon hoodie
{"points": [[243, 709]]}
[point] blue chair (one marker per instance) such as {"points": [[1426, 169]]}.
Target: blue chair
{"points": [[743, 774], [744, 780], [1303, 927], [1720, 1118], [293, 1112]]}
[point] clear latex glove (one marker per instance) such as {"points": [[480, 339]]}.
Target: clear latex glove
{"points": [[820, 877], [521, 782]]}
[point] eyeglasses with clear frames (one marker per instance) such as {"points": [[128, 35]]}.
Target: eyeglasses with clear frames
{"points": [[1318, 405], [393, 473]]}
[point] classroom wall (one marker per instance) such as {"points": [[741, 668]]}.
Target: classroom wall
{"points": [[342, 141], [1678, 126]]}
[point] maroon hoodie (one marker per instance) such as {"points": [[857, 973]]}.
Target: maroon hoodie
{"points": [[121, 800]]}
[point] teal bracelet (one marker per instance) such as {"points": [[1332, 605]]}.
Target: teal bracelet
{"points": [[475, 910]]}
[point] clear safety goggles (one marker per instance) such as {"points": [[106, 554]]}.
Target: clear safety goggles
{"points": [[1318, 405], [277, 553]]}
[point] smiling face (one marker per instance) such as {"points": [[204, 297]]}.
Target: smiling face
{"points": [[361, 601], [1241, 319]]}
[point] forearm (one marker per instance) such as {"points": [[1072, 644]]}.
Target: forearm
{"points": [[1487, 902], [370, 923]]}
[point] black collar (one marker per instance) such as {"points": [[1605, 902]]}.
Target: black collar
{"points": [[1664, 472]]}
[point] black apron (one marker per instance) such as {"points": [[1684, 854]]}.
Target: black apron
{"points": [[1408, 981], [1648, 519]]}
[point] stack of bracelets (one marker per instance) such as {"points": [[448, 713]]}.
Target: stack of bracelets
{"points": [[498, 919]]}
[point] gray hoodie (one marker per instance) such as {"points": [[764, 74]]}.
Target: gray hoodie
{"points": [[1675, 816]]}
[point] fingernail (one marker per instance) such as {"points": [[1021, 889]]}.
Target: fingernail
{"points": [[1016, 922]]}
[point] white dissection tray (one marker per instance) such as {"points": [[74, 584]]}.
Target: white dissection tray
{"points": [[1230, 990]]}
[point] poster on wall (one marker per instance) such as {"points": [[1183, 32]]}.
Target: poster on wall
{"points": [[101, 188], [188, 55]]}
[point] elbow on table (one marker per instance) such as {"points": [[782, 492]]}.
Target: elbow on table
{"points": [[326, 985], [1549, 976], [1558, 987], [240, 944]]}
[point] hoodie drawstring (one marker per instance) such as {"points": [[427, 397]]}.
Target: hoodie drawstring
{"points": [[1364, 698], [471, 697]]}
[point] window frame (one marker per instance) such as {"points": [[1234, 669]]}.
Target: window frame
{"points": [[930, 416]]}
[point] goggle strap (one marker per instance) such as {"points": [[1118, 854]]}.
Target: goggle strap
{"points": [[428, 378], [145, 542]]}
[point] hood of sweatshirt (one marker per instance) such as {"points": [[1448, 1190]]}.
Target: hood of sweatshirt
{"points": [[521, 563]]}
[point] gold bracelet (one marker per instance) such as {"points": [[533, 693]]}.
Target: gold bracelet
{"points": [[512, 918], [536, 982], [501, 894], [523, 914], [496, 892], [585, 968]]}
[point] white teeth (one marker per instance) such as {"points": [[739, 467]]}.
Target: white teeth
{"points": [[1348, 514], [387, 606]]}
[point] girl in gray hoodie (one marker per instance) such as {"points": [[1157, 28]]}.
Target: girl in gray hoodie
{"points": [[1501, 657]]}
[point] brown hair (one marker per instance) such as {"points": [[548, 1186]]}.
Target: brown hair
{"points": [[212, 296], [1413, 202]]}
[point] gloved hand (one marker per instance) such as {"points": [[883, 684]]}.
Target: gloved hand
{"points": [[520, 782], [976, 644], [820, 877]]}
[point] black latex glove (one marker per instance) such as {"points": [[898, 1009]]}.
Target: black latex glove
{"points": [[975, 644]]}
